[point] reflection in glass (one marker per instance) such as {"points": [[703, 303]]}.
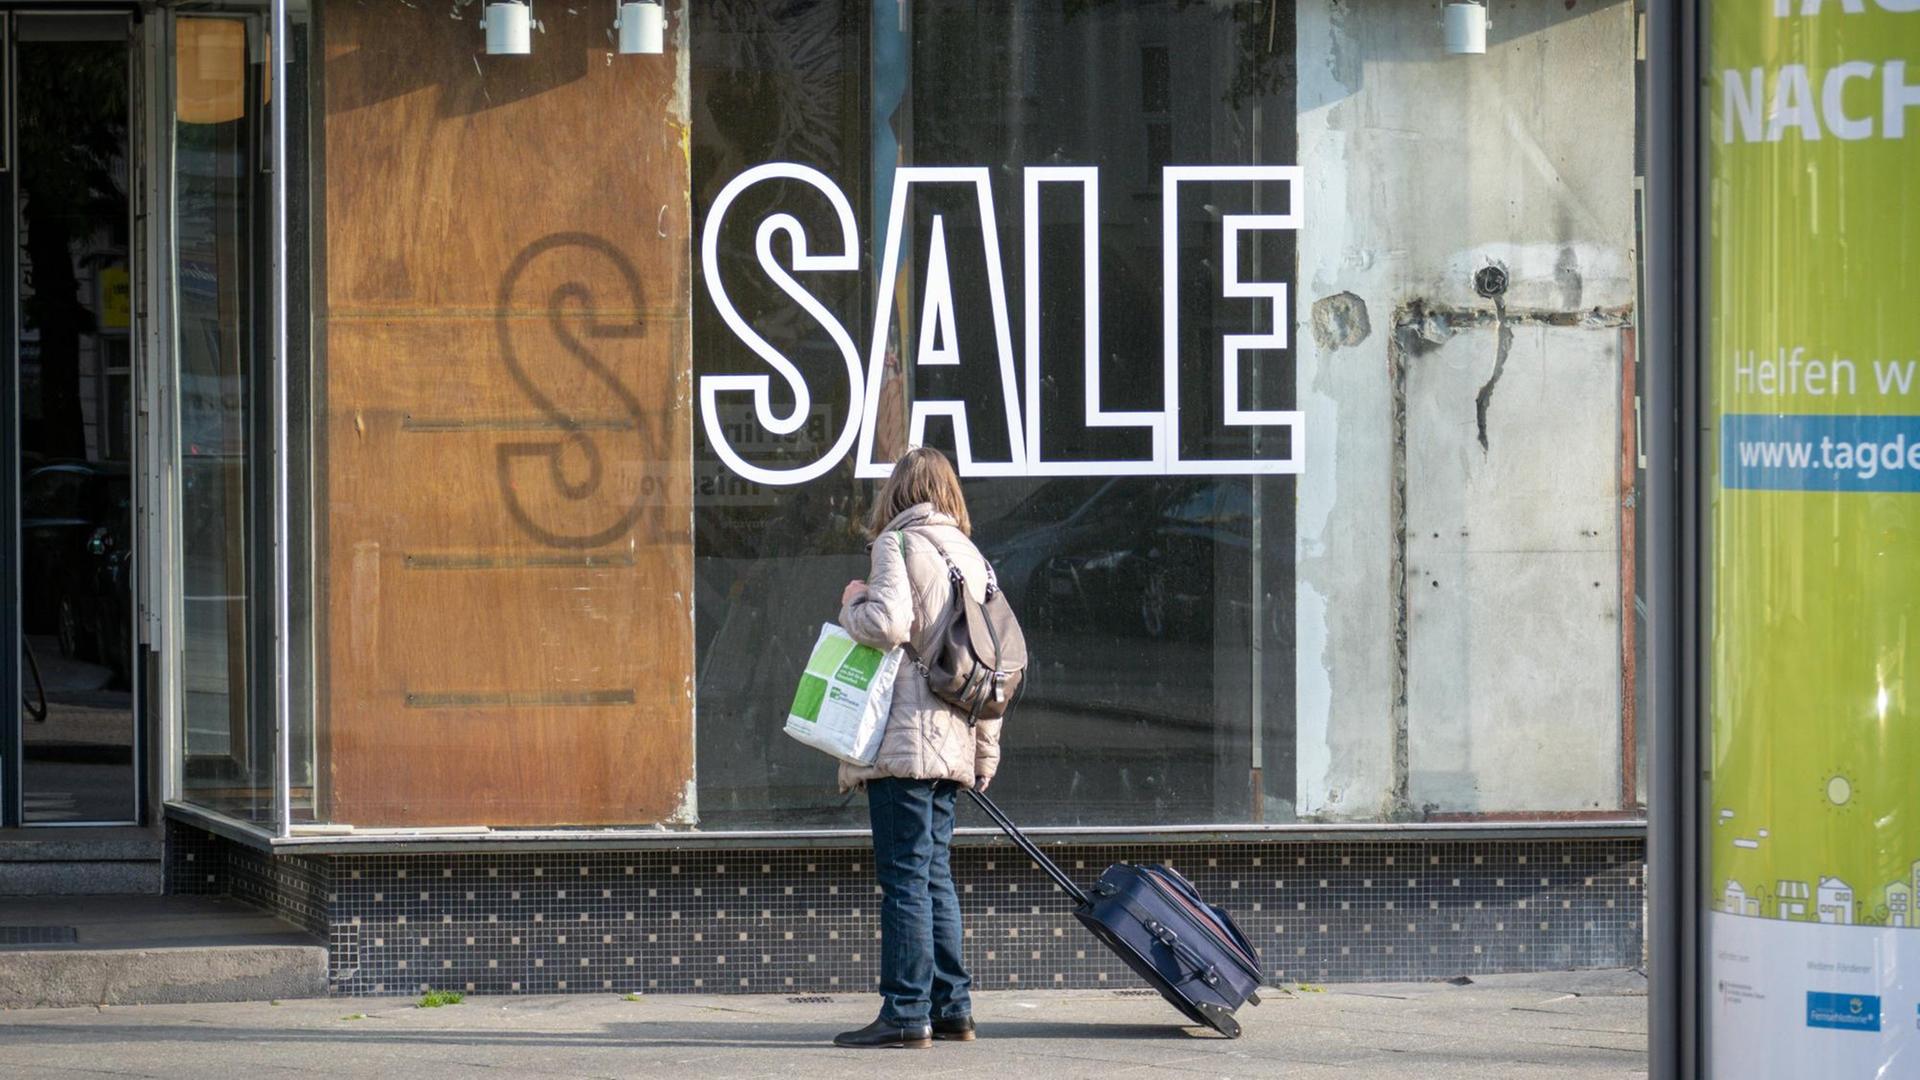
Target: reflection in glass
{"points": [[75, 545], [218, 236], [1146, 600]]}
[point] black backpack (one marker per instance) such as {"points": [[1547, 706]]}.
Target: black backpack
{"points": [[979, 654]]}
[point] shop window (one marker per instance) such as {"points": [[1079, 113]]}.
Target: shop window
{"points": [[1135, 590], [1291, 372], [1430, 618]]}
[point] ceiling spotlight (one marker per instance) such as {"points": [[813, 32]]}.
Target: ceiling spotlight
{"points": [[642, 26], [1466, 29], [509, 27]]}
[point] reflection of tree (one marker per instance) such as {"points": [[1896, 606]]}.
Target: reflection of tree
{"points": [[71, 142], [773, 86], [781, 83], [779, 73]]}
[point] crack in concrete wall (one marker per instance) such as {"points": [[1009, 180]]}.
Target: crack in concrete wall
{"points": [[1414, 333], [1398, 805], [1484, 398], [1592, 318]]}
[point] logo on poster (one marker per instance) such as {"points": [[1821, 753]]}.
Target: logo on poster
{"points": [[722, 395], [1843, 1012]]}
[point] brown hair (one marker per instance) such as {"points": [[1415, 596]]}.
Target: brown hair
{"points": [[922, 475]]}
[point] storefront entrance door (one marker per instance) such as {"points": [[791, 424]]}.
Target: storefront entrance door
{"points": [[69, 726]]}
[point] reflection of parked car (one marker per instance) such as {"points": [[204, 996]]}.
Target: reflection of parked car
{"points": [[1135, 556], [96, 601], [61, 507]]}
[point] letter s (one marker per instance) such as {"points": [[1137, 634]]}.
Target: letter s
{"points": [[761, 386]]}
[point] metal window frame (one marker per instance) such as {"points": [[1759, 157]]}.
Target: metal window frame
{"points": [[142, 362], [271, 19], [162, 600], [1674, 534], [277, 300], [343, 840], [11, 670]]}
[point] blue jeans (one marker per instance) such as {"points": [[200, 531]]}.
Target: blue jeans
{"points": [[922, 975]]}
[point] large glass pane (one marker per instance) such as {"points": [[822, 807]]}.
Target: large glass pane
{"points": [[1158, 608], [220, 316], [1417, 607], [76, 541]]}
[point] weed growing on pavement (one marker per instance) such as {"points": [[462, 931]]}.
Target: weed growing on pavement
{"points": [[433, 999], [354, 1016], [634, 997]]}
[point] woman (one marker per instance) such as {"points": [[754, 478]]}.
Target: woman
{"points": [[929, 752]]}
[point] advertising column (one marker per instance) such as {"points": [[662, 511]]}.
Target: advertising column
{"points": [[1813, 305]]}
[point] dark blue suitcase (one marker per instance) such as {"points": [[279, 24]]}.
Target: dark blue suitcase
{"points": [[1153, 918]]}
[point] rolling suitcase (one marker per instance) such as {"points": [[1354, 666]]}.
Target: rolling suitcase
{"points": [[1155, 920]]}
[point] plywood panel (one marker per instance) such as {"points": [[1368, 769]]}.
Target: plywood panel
{"points": [[507, 463]]}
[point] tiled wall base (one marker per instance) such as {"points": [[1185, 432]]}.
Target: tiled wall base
{"points": [[790, 921], [296, 888]]}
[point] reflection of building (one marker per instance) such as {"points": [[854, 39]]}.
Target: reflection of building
{"points": [[1899, 904], [1836, 901], [1790, 899]]}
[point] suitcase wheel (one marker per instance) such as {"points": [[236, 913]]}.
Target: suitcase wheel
{"points": [[1253, 999], [1220, 1020]]}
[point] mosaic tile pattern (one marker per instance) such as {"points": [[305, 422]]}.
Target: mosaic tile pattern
{"points": [[195, 861], [295, 887], [799, 921]]}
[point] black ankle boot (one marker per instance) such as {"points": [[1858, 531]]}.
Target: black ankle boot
{"points": [[954, 1029], [881, 1035]]}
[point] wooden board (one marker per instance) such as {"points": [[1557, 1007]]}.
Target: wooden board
{"points": [[506, 463]]}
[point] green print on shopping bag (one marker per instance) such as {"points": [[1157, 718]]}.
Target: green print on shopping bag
{"points": [[840, 706], [860, 666], [807, 699]]}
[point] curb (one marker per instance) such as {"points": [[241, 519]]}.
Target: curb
{"points": [[62, 978]]}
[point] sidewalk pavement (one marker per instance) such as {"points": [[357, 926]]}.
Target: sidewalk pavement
{"points": [[1573, 1024]]}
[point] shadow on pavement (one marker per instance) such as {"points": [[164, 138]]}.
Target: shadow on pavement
{"points": [[639, 1035]]}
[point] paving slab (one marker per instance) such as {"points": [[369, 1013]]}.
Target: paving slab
{"points": [[121, 922], [1582, 1026]]}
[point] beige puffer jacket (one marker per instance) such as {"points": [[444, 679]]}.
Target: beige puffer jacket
{"points": [[906, 599]]}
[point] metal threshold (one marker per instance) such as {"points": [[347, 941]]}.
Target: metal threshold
{"points": [[343, 840]]}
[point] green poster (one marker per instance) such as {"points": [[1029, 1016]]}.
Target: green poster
{"points": [[1812, 132]]}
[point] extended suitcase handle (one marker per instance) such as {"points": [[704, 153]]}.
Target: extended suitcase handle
{"points": [[1031, 849], [1218, 1017]]}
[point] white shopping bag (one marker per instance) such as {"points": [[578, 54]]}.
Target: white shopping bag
{"points": [[841, 705]]}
